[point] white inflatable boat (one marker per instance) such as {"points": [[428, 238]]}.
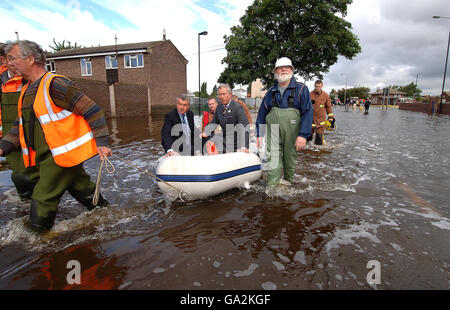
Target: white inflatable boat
{"points": [[204, 176]]}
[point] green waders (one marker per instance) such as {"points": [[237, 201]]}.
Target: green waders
{"points": [[23, 178], [54, 180], [282, 130]]}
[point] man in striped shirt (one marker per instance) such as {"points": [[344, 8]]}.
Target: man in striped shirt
{"points": [[29, 60]]}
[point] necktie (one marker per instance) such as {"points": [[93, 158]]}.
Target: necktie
{"points": [[186, 129]]}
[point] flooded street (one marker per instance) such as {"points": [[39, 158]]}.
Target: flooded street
{"points": [[379, 190]]}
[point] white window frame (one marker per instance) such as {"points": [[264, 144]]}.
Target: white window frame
{"points": [[109, 63], [86, 66], [50, 65], [130, 57]]}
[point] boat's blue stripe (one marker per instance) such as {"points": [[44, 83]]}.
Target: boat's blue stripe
{"points": [[208, 178]]}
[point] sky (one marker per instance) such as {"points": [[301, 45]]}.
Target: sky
{"points": [[400, 40]]}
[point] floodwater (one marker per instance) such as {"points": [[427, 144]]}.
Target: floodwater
{"points": [[378, 192]]}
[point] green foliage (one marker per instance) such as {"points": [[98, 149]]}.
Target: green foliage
{"points": [[411, 89], [333, 94], [360, 92], [214, 92], [312, 33], [62, 46], [204, 91]]}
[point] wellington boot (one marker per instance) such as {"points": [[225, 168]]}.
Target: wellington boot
{"points": [[38, 223], [86, 200], [23, 184], [319, 139]]}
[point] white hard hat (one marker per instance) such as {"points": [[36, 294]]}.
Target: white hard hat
{"points": [[283, 61]]}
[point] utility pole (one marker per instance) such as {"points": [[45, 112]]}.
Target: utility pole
{"points": [[445, 68], [199, 100], [345, 90], [441, 106]]}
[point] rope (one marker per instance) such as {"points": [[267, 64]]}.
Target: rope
{"points": [[110, 170], [182, 195]]}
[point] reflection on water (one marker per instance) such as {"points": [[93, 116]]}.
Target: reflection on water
{"points": [[377, 191]]}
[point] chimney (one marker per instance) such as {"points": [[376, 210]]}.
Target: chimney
{"points": [[164, 34]]}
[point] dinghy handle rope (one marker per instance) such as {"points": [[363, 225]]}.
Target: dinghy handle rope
{"points": [[111, 169]]}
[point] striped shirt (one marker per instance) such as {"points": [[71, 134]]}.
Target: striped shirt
{"points": [[65, 94]]}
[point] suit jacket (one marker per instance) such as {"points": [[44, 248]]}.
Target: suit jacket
{"points": [[234, 115], [167, 139]]}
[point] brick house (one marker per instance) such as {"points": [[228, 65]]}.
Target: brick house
{"points": [[393, 97], [157, 66], [445, 96]]}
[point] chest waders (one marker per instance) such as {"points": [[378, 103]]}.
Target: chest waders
{"points": [[54, 180], [282, 130], [23, 178]]}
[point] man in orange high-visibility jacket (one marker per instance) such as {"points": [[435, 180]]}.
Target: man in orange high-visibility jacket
{"points": [[23, 178], [57, 129], [323, 111]]}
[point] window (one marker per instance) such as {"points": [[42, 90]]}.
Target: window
{"points": [[134, 61], [86, 67], [50, 66], [111, 62]]}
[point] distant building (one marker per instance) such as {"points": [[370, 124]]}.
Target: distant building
{"points": [[257, 89], [240, 92], [158, 64], [393, 97], [446, 96]]}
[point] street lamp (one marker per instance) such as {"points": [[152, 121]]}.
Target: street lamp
{"points": [[417, 76], [345, 91], [446, 61], [199, 102]]}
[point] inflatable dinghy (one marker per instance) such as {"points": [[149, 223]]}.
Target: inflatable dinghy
{"points": [[204, 176]]}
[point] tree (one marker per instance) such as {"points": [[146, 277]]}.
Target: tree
{"points": [[333, 94], [214, 91], [411, 90], [311, 33], [203, 91], [360, 92], [62, 46]]}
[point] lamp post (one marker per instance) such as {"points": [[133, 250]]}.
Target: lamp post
{"points": [[446, 61], [199, 101], [345, 91], [417, 76]]}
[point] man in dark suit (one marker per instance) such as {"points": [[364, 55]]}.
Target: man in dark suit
{"points": [[178, 134], [232, 118]]}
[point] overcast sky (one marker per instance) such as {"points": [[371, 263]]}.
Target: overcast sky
{"points": [[399, 38]]}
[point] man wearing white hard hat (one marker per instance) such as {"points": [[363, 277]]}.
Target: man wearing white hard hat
{"points": [[287, 114]]}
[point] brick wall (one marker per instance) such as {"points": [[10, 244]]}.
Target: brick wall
{"points": [[131, 99], [168, 79], [425, 107], [96, 90]]}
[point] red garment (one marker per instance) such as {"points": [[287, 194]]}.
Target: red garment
{"points": [[205, 119]]}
